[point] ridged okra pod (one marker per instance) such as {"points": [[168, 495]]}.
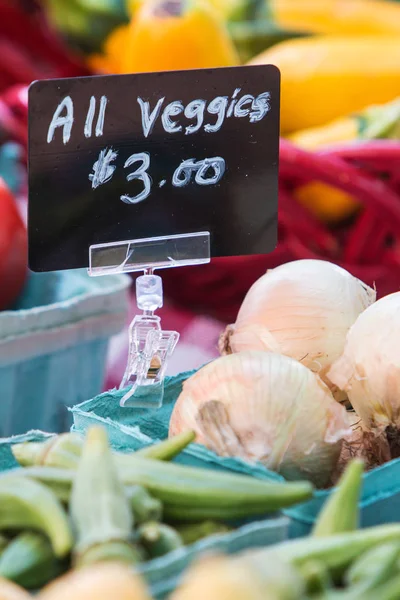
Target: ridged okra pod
{"points": [[337, 552], [372, 570], [193, 494], [28, 504], [144, 506], [341, 512], [64, 450], [191, 533], [99, 506], [158, 539], [61, 451], [29, 560]]}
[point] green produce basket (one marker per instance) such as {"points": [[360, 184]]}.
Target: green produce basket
{"points": [[53, 347], [131, 428], [163, 574]]}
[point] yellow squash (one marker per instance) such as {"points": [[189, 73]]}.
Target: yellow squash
{"points": [[325, 201], [176, 34], [326, 77], [354, 17]]}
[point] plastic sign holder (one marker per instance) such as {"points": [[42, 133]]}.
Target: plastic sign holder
{"points": [[150, 347], [142, 172]]}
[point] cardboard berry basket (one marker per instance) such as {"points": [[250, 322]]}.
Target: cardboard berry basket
{"points": [[53, 347]]}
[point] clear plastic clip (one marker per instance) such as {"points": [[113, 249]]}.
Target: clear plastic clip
{"points": [[149, 346]]}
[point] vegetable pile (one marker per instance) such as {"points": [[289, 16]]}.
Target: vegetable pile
{"points": [[336, 562], [309, 376], [75, 503]]}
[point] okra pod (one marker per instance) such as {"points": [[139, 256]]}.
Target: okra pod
{"points": [[64, 450], [99, 506], [59, 451], [158, 539], [374, 567], [168, 449], [144, 506], [192, 494], [196, 531], [316, 576], [387, 591], [336, 552], [28, 504], [341, 512], [29, 560]]}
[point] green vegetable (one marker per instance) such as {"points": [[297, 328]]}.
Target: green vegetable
{"points": [[336, 552], [27, 504], [166, 450], [99, 506], [29, 561], [159, 539], [196, 531], [145, 507], [341, 511], [375, 566], [190, 494], [64, 451]]}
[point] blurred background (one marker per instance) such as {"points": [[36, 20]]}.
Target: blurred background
{"points": [[340, 132]]}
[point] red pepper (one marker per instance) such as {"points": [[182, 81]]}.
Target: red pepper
{"points": [[13, 249], [30, 29]]}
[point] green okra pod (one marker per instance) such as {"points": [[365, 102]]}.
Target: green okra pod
{"points": [[193, 494], [168, 449], [387, 591], [29, 561], [61, 451], [196, 531], [99, 506], [28, 504], [375, 566], [316, 576], [64, 450], [158, 539], [341, 512], [144, 506], [337, 552]]}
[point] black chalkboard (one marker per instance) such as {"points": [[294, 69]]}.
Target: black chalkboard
{"points": [[125, 157]]}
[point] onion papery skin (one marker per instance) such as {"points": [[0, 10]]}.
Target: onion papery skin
{"points": [[262, 406], [302, 309], [369, 370]]}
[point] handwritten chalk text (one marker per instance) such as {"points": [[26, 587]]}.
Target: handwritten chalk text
{"points": [[174, 117]]}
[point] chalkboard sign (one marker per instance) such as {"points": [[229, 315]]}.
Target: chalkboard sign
{"points": [[125, 157]]}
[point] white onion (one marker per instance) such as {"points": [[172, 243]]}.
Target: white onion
{"points": [[302, 309], [266, 407], [369, 368]]}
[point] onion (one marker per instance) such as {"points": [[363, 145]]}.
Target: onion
{"points": [[302, 309], [369, 370], [261, 406]]}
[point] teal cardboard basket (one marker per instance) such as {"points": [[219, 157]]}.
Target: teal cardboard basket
{"points": [[53, 347], [380, 499], [163, 574]]}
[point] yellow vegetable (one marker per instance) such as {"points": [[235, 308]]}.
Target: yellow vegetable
{"points": [[327, 77], [325, 201], [107, 581], [110, 60], [176, 34], [12, 591], [354, 17]]}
